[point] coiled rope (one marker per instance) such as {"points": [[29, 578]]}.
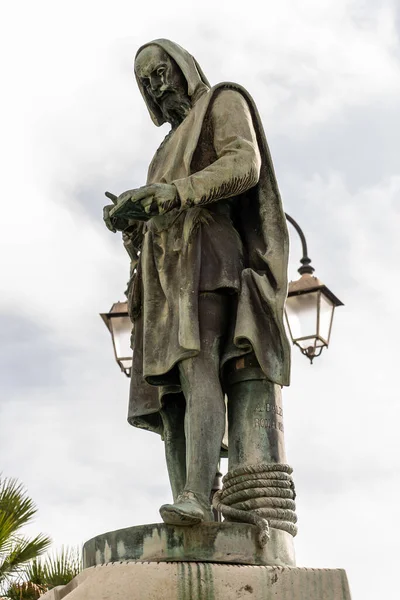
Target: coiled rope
{"points": [[262, 495]]}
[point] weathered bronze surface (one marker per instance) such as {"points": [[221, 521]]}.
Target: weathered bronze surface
{"points": [[234, 543], [208, 243]]}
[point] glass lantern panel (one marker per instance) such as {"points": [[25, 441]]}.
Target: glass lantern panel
{"points": [[326, 308], [126, 363], [121, 328], [301, 313]]}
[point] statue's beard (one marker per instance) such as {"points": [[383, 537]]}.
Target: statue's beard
{"points": [[175, 106]]}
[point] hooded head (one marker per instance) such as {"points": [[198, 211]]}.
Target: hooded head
{"points": [[175, 78]]}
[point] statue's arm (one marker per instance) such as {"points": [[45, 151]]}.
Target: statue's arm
{"points": [[238, 163]]}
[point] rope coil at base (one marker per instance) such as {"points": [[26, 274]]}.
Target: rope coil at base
{"points": [[262, 495]]}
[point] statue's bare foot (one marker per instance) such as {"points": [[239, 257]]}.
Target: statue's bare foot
{"points": [[189, 509]]}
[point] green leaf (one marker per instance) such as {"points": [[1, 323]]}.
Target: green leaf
{"points": [[61, 567], [15, 503], [23, 550], [16, 510]]}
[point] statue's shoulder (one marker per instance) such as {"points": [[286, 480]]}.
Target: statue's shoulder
{"points": [[229, 96], [230, 90], [225, 95], [229, 85]]}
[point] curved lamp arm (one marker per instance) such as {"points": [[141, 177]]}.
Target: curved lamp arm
{"points": [[305, 260]]}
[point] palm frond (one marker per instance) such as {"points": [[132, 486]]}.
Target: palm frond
{"points": [[15, 502], [6, 532], [59, 568], [34, 572], [22, 551], [16, 510]]}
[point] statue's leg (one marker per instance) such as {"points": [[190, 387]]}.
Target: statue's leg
{"points": [[205, 414], [255, 423], [255, 439], [173, 417]]}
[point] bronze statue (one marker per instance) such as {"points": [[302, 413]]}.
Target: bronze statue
{"points": [[208, 242]]}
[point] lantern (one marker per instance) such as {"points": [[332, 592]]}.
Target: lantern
{"points": [[120, 326], [310, 306]]}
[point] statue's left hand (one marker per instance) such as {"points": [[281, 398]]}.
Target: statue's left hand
{"points": [[155, 199], [160, 198]]}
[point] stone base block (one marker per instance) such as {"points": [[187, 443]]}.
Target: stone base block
{"points": [[234, 543], [202, 581]]}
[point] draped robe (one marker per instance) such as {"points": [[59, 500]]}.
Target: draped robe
{"points": [[229, 235]]}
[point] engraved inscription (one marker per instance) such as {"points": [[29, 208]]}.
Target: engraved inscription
{"points": [[275, 409], [260, 423], [270, 408]]}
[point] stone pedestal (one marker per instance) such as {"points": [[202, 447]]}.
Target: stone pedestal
{"points": [[214, 561], [233, 543], [202, 581]]}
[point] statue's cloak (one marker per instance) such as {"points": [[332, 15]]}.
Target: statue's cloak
{"points": [[259, 326]]}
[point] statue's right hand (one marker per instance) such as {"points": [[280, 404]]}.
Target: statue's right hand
{"points": [[114, 224]]}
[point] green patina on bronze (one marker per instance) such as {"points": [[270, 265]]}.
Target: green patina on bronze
{"points": [[234, 543], [208, 244], [174, 540]]}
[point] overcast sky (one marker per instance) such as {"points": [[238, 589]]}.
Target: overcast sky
{"points": [[325, 75]]}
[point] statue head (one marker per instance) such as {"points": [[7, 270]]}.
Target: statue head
{"points": [[164, 82], [169, 79]]}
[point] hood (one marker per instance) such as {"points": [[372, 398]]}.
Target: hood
{"points": [[196, 80]]}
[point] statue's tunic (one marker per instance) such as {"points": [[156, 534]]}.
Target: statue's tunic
{"points": [[196, 249], [228, 236]]}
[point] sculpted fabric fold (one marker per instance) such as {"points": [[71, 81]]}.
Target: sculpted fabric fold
{"points": [[229, 235]]}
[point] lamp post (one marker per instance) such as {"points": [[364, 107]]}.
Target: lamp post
{"points": [[310, 306]]}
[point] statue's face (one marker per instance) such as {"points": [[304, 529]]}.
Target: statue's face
{"points": [[164, 82]]}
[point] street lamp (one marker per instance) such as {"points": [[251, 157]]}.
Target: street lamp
{"points": [[120, 326], [309, 313], [309, 306]]}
